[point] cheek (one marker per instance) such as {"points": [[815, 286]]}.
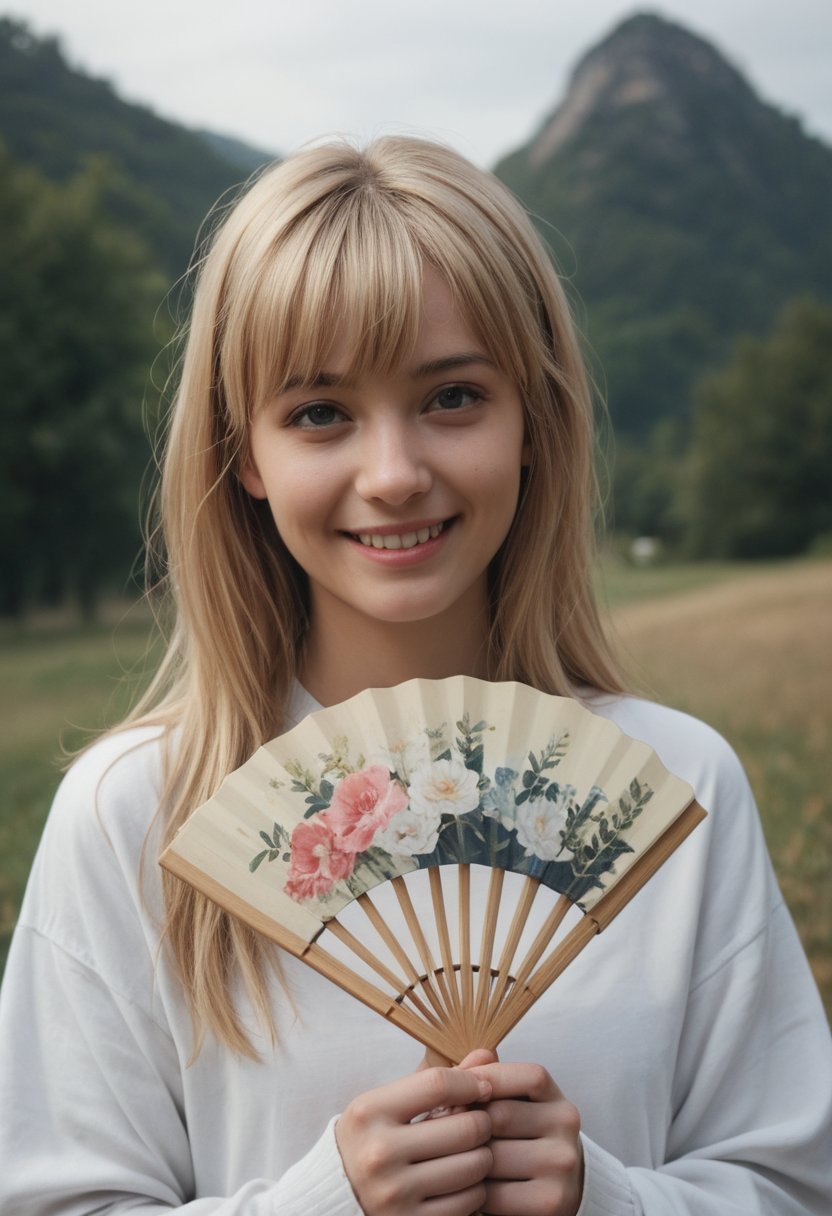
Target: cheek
{"points": [[498, 473], [300, 506]]}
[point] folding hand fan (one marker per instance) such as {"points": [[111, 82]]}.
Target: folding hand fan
{"points": [[402, 783]]}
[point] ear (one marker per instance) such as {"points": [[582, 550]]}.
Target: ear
{"points": [[251, 480]]}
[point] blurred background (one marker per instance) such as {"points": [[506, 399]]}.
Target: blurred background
{"points": [[679, 165]]}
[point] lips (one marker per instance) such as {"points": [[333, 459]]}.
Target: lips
{"points": [[399, 540]]}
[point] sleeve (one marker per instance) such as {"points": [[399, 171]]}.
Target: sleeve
{"points": [[91, 1122], [93, 1085], [750, 1124]]}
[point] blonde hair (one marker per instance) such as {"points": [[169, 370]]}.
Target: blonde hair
{"points": [[339, 232]]}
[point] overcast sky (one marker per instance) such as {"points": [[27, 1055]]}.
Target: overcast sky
{"points": [[479, 76]]}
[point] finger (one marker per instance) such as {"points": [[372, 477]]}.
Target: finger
{"points": [[512, 1119], [480, 1055], [529, 1081], [525, 1159], [460, 1203], [519, 1119], [458, 1133], [404, 1099], [447, 1175], [509, 1198]]}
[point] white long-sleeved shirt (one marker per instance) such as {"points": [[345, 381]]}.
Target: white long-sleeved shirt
{"points": [[689, 1034]]}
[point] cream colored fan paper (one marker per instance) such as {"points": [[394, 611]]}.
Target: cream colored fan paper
{"points": [[397, 784]]}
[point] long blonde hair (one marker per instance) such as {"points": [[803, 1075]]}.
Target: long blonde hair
{"points": [[340, 232]]}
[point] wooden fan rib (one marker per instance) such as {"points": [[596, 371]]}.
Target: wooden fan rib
{"points": [[431, 1035], [542, 940], [402, 990], [489, 929], [523, 996], [528, 987], [446, 953], [443, 1010], [518, 922], [466, 972], [395, 947], [388, 937], [645, 866]]}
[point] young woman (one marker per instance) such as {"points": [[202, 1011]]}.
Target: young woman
{"points": [[379, 466]]}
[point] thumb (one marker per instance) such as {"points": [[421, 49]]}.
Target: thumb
{"points": [[479, 1056]]}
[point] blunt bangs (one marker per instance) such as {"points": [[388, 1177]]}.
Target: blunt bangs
{"points": [[339, 237]]}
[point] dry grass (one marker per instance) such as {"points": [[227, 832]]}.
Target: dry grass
{"points": [[753, 656]]}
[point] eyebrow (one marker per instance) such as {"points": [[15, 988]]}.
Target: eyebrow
{"points": [[431, 368]]}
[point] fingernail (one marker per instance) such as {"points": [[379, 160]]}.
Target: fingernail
{"points": [[484, 1088]]}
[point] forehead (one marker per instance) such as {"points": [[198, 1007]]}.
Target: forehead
{"points": [[436, 331], [427, 333]]}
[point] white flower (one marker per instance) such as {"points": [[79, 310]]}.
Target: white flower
{"points": [[409, 832], [540, 822], [444, 787]]}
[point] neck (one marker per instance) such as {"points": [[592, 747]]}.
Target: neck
{"points": [[338, 663]]}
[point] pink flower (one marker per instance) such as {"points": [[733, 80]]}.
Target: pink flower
{"points": [[361, 804], [318, 859]]}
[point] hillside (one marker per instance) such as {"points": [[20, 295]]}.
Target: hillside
{"points": [[684, 209], [165, 177]]}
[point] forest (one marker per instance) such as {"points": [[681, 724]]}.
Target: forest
{"points": [[705, 316]]}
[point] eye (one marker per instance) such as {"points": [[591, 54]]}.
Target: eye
{"points": [[455, 397], [316, 416]]}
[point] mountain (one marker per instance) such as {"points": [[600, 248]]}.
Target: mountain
{"points": [[681, 207], [164, 177]]}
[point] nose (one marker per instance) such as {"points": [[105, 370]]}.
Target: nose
{"points": [[392, 465]]}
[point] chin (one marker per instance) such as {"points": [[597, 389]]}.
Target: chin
{"points": [[407, 612]]}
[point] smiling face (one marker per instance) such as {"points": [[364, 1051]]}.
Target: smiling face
{"points": [[394, 492]]}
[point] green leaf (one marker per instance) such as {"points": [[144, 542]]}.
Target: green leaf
{"points": [[267, 839], [255, 861]]}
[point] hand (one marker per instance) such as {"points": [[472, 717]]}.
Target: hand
{"points": [[538, 1159], [397, 1167]]}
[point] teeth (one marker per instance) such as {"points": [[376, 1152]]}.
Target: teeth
{"points": [[406, 541]]}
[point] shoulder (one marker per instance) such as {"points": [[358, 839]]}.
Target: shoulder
{"points": [[685, 745], [89, 865], [724, 867], [89, 926], [699, 755], [113, 788]]}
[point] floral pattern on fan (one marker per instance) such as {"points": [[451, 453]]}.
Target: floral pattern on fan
{"points": [[428, 801]]}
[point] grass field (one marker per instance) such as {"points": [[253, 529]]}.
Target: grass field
{"points": [[747, 648], [750, 651]]}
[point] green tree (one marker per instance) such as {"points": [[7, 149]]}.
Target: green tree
{"points": [[761, 455], [647, 482], [78, 296]]}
